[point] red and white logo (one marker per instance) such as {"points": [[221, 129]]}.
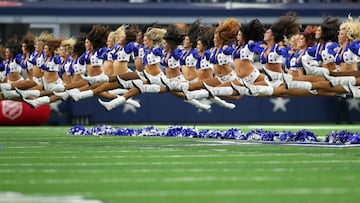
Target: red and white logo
{"points": [[11, 109]]}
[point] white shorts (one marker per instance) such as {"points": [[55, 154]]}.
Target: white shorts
{"points": [[154, 79], [250, 78], [56, 86], [141, 75], [226, 78], [38, 81], [101, 77]]}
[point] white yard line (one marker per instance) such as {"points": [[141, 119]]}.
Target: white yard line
{"points": [[232, 192], [187, 179]]}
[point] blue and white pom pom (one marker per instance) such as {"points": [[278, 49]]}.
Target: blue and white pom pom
{"points": [[236, 134], [343, 137], [78, 130], [102, 130], [150, 131]]}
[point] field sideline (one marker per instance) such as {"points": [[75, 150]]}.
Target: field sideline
{"points": [[44, 162]]}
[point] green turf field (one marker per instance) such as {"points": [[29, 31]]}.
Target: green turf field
{"points": [[44, 161]]}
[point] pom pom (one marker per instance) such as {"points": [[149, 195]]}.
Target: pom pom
{"points": [[78, 130]]}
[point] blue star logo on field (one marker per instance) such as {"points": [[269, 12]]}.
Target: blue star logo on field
{"points": [[279, 104], [353, 104], [129, 107]]}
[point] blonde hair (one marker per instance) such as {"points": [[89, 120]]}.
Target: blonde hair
{"points": [[44, 37], [118, 33], [289, 41], [155, 35], [68, 43], [352, 28]]}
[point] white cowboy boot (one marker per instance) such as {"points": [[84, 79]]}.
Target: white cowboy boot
{"points": [[241, 90], [81, 95], [10, 94], [38, 101], [134, 103], [222, 103], [146, 88], [5, 86], [28, 93], [218, 91], [304, 85], [195, 94], [198, 104], [113, 103], [341, 80], [126, 84], [118, 91], [315, 70]]}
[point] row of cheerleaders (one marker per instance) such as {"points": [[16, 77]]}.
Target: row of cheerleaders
{"points": [[258, 135], [192, 62]]}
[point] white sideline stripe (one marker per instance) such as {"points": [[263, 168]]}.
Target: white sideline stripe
{"points": [[131, 155], [165, 156], [189, 179], [181, 170], [231, 192], [158, 163], [14, 197]]}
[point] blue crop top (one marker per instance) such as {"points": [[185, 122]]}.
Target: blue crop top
{"points": [[124, 53], [52, 65], [224, 55], [174, 59], [190, 58], [274, 56], [153, 56], [66, 67], [204, 61]]}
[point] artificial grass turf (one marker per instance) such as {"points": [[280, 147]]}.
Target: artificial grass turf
{"points": [[46, 161]]}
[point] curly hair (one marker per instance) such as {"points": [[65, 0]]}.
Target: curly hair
{"points": [[155, 35], [286, 26], [309, 34], [206, 36], [96, 36], [53, 44], [79, 46], [29, 41], [352, 28], [174, 36], [193, 32], [329, 28], [228, 30], [254, 30], [131, 33], [13, 46]]}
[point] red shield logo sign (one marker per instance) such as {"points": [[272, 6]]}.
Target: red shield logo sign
{"points": [[11, 109]]}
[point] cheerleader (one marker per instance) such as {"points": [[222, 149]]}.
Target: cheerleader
{"points": [[345, 60], [12, 68], [66, 70], [94, 57], [78, 67], [33, 64], [126, 47], [51, 67], [152, 71], [320, 59], [221, 58]]}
